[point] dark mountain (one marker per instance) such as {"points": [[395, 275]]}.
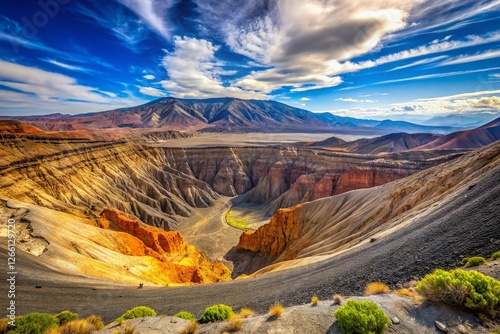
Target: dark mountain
{"points": [[468, 139], [219, 114]]}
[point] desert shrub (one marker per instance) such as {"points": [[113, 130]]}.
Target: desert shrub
{"points": [[185, 315], [234, 324], [76, 327], [376, 288], [190, 328], [129, 330], [315, 300], [404, 292], [497, 331], [217, 313], [137, 312], [361, 318], [495, 256], [66, 316], [276, 310], [246, 313], [33, 323], [337, 299], [469, 289], [465, 259], [95, 321], [475, 261]]}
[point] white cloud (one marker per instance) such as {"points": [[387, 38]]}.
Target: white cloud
{"points": [[303, 42], [472, 58], [194, 71], [151, 91], [66, 66], [16, 104], [419, 62], [461, 96], [304, 99], [38, 90], [154, 13], [351, 100], [149, 77], [437, 75]]}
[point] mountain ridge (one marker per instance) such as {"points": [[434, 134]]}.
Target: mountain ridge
{"points": [[217, 115]]}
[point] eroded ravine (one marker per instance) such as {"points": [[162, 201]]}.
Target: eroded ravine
{"points": [[158, 186]]}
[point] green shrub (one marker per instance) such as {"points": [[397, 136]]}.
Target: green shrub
{"points": [[66, 316], [217, 313], [137, 312], [361, 318], [475, 261], [495, 256], [185, 315], [465, 259], [33, 323], [469, 289]]}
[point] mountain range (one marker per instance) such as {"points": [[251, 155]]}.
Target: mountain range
{"points": [[397, 142], [221, 115]]}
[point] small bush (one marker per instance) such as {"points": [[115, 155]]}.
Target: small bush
{"points": [[376, 288], [276, 310], [217, 313], [95, 321], [314, 300], [190, 328], [361, 317], [465, 259], [404, 292], [469, 289], [185, 315], [495, 256], [475, 261], [234, 324], [337, 299], [137, 312], [129, 330], [76, 327], [246, 313], [33, 323], [66, 316]]}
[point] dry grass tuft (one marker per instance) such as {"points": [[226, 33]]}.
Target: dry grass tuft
{"points": [[315, 300], [82, 326], [234, 324], [190, 328], [404, 292], [376, 288], [337, 299], [276, 310], [246, 313], [129, 330]]}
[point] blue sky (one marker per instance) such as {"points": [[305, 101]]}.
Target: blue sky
{"points": [[362, 58]]}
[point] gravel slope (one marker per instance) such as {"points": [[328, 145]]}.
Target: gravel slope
{"points": [[467, 224]]}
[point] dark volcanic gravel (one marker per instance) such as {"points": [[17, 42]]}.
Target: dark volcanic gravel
{"points": [[467, 225]]}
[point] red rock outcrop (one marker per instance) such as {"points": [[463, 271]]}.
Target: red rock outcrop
{"points": [[273, 238]]}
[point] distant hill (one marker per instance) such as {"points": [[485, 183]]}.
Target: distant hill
{"points": [[394, 142], [16, 127], [468, 139], [397, 142], [222, 115], [401, 126], [470, 121]]}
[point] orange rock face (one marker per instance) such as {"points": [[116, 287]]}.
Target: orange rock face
{"points": [[180, 262], [273, 238]]}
